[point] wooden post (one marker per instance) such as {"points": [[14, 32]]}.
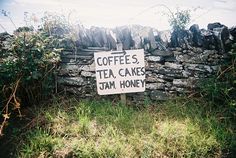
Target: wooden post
{"points": [[119, 47], [123, 98]]}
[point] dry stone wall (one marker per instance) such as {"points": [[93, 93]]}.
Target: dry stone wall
{"points": [[170, 71]]}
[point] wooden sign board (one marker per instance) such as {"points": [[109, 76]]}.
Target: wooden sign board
{"points": [[120, 71]]}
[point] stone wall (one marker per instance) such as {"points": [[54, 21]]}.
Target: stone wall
{"points": [[174, 62]]}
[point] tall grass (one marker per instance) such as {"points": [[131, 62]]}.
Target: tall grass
{"points": [[176, 128]]}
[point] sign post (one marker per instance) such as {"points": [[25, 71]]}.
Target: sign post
{"points": [[119, 72], [119, 47]]}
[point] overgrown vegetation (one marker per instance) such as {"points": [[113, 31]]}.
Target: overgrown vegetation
{"points": [[176, 128], [185, 127], [29, 60], [221, 89], [179, 20]]}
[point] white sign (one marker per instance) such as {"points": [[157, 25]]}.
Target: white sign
{"points": [[120, 71]]}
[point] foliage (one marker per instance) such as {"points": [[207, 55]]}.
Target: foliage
{"points": [[59, 26], [176, 128], [29, 58], [221, 89], [179, 20]]}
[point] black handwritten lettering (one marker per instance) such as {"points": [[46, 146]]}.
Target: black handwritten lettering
{"points": [[122, 60], [106, 73], [98, 61], [143, 82], [120, 72], [116, 59], [104, 61], [110, 60], [132, 83], [143, 71], [107, 85], [127, 73], [134, 57], [127, 59], [134, 71]]}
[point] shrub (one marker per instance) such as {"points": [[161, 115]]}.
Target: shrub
{"points": [[179, 20], [29, 60], [221, 88]]}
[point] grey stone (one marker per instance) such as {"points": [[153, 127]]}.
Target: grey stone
{"points": [[123, 35], [183, 58], [208, 68], [90, 67], [199, 67], [153, 66], [163, 39], [180, 82], [148, 72], [183, 82], [170, 59], [142, 36], [166, 71], [222, 35], [177, 52], [153, 86], [210, 52], [68, 70], [87, 74], [197, 38], [181, 38], [168, 84], [162, 53], [201, 58], [158, 95], [180, 90], [174, 65], [179, 49], [233, 33], [112, 39], [208, 39], [185, 51], [197, 50], [175, 75], [212, 26], [154, 78], [72, 81], [166, 78], [186, 73], [215, 68], [154, 58], [99, 38], [195, 67]]}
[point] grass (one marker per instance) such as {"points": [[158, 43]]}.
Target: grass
{"points": [[175, 128]]}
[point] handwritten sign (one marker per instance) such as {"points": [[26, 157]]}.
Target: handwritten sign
{"points": [[120, 71]]}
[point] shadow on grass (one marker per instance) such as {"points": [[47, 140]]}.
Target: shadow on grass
{"points": [[176, 128]]}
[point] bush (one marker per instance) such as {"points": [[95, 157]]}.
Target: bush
{"points": [[221, 89], [29, 60], [179, 20]]}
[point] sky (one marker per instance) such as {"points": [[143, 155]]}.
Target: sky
{"points": [[112, 13]]}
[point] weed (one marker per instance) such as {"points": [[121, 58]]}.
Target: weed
{"points": [[176, 128]]}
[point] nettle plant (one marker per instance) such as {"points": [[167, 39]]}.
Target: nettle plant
{"points": [[28, 64]]}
